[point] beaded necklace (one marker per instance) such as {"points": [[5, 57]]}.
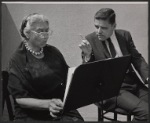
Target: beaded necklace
{"points": [[31, 51]]}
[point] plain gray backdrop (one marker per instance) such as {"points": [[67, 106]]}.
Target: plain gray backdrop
{"points": [[68, 20]]}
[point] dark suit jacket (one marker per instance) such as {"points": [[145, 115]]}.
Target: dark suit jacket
{"points": [[127, 47]]}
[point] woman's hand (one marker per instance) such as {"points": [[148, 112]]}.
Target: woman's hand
{"points": [[55, 107]]}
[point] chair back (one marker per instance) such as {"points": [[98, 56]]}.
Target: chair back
{"points": [[6, 96]]}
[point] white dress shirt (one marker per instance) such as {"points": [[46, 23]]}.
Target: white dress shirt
{"points": [[116, 45]]}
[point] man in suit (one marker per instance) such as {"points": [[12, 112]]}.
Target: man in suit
{"points": [[108, 42]]}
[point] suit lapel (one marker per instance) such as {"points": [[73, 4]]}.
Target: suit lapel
{"points": [[99, 50], [121, 42], [102, 48]]}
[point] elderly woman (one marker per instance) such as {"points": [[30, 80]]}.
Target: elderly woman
{"points": [[37, 75]]}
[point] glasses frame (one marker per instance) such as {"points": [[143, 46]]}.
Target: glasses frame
{"points": [[41, 34]]}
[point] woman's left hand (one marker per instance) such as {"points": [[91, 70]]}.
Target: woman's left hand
{"points": [[55, 107]]}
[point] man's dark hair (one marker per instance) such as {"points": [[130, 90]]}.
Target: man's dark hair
{"points": [[106, 14]]}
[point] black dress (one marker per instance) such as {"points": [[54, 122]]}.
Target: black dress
{"points": [[44, 78]]}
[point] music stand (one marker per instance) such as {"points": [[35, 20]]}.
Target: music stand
{"points": [[96, 81]]}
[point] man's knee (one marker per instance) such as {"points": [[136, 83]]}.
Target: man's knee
{"points": [[141, 111]]}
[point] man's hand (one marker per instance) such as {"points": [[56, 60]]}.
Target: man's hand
{"points": [[55, 107], [86, 48]]}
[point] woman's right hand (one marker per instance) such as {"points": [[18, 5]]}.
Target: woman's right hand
{"points": [[55, 107]]}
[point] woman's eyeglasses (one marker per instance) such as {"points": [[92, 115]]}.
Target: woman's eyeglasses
{"points": [[43, 34]]}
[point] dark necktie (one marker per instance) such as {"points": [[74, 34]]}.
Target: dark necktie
{"points": [[105, 46], [111, 47]]}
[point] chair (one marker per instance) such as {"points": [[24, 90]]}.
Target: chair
{"points": [[102, 113], [6, 96]]}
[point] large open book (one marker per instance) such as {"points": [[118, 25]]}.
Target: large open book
{"points": [[92, 82]]}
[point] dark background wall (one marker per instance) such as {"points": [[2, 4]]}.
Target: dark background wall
{"points": [[68, 21]]}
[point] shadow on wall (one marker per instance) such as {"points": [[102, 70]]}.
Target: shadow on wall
{"points": [[10, 36]]}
